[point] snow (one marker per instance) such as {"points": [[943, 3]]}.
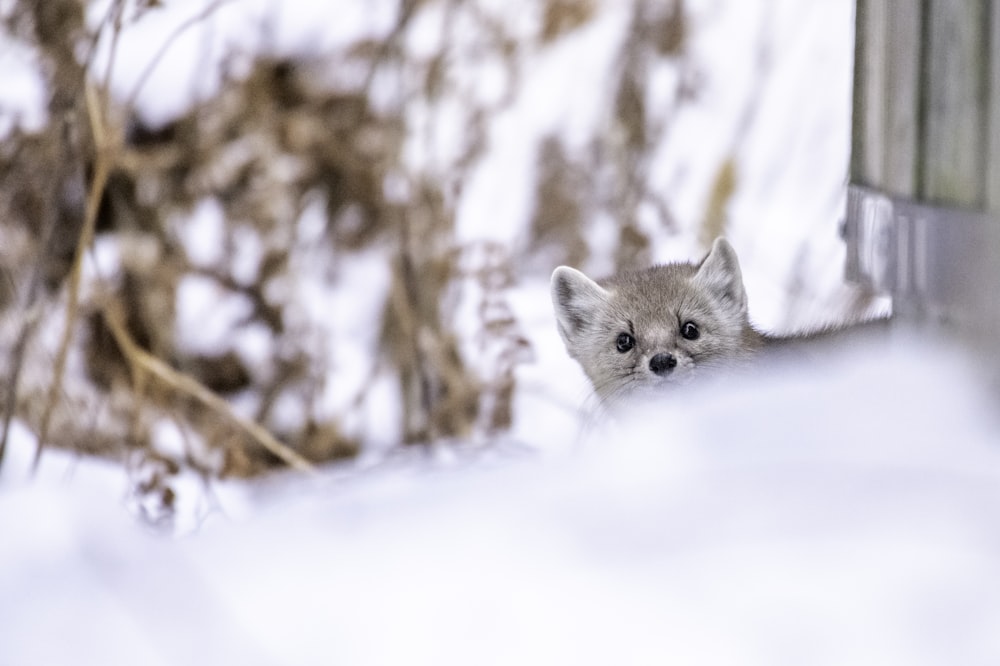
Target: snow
{"points": [[203, 233], [843, 514], [22, 96], [174, 56], [207, 314], [551, 102]]}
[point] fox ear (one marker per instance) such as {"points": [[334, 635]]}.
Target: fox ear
{"points": [[575, 298], [719, 272]]}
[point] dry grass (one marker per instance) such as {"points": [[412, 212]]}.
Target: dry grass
{"points": [[94, 361]]}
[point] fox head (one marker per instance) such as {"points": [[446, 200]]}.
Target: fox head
{"points": [[647, 329]]}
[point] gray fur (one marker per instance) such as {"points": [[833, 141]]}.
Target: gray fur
{"points": [[652, 306]]}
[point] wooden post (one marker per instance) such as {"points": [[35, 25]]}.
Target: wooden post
{"points": [[886, 94], [955, 137], [992, 95], [923, 220]]}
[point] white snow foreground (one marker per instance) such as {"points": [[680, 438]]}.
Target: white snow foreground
{"points": [[845, 516]]}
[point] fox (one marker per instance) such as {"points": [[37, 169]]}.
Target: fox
{"points": [[639, 331]]}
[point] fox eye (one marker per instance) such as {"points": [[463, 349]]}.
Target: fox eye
{"points": [[689, 330], [625, 342]]}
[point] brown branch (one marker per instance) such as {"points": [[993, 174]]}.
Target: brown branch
{"points": [[144, 364], [102, 167]]}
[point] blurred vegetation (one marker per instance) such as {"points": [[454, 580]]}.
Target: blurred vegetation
{"points": [[94, 362]]}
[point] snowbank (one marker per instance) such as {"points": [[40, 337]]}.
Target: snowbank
{"points": [[843, 514]]}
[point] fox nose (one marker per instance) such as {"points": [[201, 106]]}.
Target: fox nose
{"points": [[661, 364]]}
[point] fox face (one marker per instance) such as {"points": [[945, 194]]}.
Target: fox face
{"points": [[644, 330]]}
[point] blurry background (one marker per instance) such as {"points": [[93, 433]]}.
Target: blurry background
{"points": [[340, 218]]}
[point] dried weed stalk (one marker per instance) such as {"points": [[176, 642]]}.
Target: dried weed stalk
{"points": [[274, 142], [281, 145]]}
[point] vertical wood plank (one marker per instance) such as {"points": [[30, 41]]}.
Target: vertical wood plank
{"points": [[993, 111], [953, 155], [903, 32], [988, 277], [867, 131]]}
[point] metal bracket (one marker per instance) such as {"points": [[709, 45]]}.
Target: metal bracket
{"points": [[917, 252]]}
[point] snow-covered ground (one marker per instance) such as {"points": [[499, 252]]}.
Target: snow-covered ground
{"points": [[842, 515]]}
